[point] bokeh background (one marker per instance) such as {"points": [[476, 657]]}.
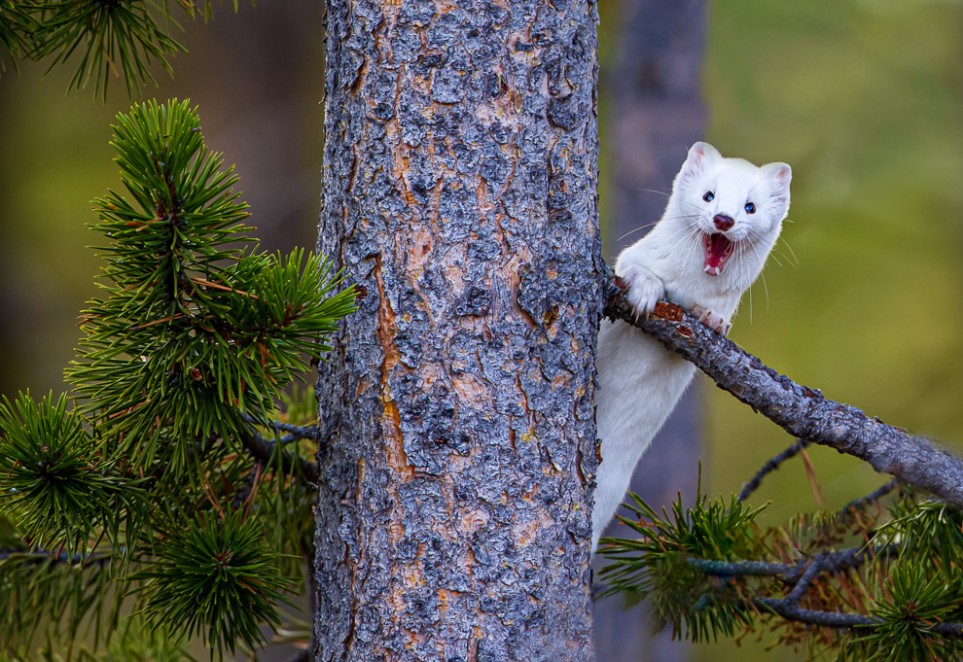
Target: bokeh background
{"points": [[863, 297]]}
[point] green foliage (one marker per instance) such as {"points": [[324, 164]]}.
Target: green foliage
{"points": [[912, 601], [170, 486], [109, 38], [15, 23], [51, 594], [132, 642], [920, 590], [53, 478], [656, 564], [210, 577], [895, 594], [194, 333]]}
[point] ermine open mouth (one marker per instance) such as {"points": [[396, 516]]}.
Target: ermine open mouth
{"points": [[718, 248]]}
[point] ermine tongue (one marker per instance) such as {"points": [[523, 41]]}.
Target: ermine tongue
{"points": [[717, 251]]}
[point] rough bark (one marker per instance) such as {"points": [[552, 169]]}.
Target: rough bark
{"points": [[460, 196], [801, 411], [651, 99]]}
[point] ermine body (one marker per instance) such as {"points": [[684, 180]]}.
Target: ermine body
{"points": [[722, 219]]}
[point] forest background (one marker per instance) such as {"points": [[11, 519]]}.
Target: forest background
{"points": [[863, 298]]}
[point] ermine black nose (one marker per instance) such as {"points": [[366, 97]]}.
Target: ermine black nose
{"points": [[723, 222]]}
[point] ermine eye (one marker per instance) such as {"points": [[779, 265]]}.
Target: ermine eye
{"points": [[750, 208], [708, 197]]}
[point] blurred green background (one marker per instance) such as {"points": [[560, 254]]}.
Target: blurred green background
{"points": [[863, 298]]}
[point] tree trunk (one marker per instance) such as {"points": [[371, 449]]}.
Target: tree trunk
{"points": [[459, 195], [655, 112]]}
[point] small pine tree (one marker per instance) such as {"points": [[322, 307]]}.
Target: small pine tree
{"points": [[173, 483]]}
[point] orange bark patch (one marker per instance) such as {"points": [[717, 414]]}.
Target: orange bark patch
{"points": [[524, 533], [419, 244], [472, 521], [471, 391], [668, 311], [391, 419]]}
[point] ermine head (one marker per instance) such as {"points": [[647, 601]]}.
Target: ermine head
{"points": [[734, 207]]}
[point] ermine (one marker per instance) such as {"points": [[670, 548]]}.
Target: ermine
{"points": [[721, 221]]}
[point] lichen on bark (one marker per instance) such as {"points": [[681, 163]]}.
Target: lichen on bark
{"points": [[460, 197]]}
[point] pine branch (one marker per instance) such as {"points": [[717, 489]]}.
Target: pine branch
{"points": [[832, 619], [771, 465], [44, 556], [106, 40], [297, 431], [803, 412], [265, 452], [874, 496], [801, 575], [792, 572]]}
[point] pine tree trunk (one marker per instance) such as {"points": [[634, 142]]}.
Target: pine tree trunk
{"points": [[460, 185]]}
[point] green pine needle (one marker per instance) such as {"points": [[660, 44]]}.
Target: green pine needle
{"points": [[16, 21], [52, 478], [195, 333], [105, 38], [655, 565], [216, 578], [195, 338], [913, 601], [111, 38]]}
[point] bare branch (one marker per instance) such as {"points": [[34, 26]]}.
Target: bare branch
{"points": [[771, 465], [41, 556], [803, 412], [831, 619], [874, 496], [791, 572], [297, 431]]}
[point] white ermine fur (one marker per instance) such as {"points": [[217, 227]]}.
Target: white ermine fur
{"points": [[720, 223]]}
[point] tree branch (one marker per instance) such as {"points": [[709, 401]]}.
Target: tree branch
{"points": [[264, 452], [860, 503], [803, 412], [297, 431], [40, 556], [791, 572], [771, 465], [832, 619], [801, 576]]}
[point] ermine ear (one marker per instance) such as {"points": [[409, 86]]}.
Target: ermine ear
{"points": [[700, 155], [778, 175], [701, 152]]}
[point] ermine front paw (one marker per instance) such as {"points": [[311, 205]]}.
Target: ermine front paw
{"points": [[644, 289], [717, 323]]}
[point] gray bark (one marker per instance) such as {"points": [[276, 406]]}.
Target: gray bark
{"points": [[653, 106], [799, 410], [460, 196]]}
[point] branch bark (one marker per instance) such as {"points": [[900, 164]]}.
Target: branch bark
{"points": [[801, 411], [264, 452], [771, 465], [801, 574]]}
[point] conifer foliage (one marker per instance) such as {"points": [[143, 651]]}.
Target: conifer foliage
{"points": [[866, 583], [108, 37], [164, 483]]}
